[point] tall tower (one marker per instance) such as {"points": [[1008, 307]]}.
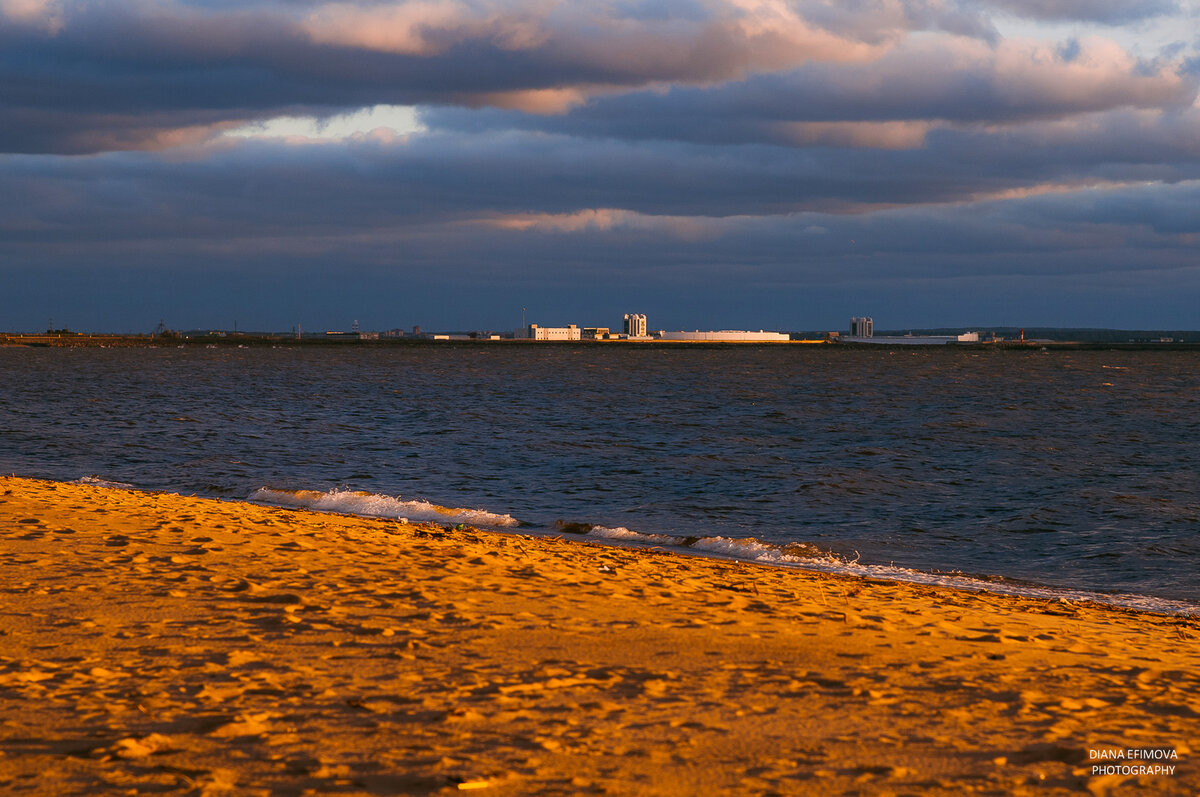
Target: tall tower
{"points": [[862, 327], [635, 325]]}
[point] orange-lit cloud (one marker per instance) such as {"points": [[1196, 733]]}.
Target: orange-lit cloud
{"points": [[45, 14], [535, 101], [688, 228], [876, 135], [424, 27]]}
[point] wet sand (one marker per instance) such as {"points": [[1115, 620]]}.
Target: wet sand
{"points": [[152, 643]]}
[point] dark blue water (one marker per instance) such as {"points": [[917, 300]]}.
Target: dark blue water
{"points": [[1069, 469]]}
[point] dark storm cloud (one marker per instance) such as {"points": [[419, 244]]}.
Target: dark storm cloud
{"points": [[103, 76], [83, 77], [966, 83], [527, 219], [285, 197], [720, 146], [275, 220], [1064, 234]]}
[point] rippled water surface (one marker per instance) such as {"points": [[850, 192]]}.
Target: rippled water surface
{"points": [[1074, 469]]}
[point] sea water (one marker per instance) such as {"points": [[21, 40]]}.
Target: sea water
{"points": [[1015, 470]]}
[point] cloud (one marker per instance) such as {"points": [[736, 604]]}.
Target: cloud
{"points": [[93, 76], [713, 40], [389, 186], [537, 216], [416, 28], [875, 20], [719, 143], [43, 14], [686, 228], [109, 75], [252, 218], [1109, 12], [890, 103]]}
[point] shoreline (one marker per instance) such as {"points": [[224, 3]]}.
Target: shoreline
{"points": [[205, 646], [835, 565], [285, 341], [721, 548]]}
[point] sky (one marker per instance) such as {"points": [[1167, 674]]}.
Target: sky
{"points": [[464, 164]]}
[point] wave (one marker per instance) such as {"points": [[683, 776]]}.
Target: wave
{"points": [[355, 502], [748, 549], [96, 481], [810, 557]]}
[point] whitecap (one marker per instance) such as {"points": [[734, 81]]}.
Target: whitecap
{"points": [[354, 502]]}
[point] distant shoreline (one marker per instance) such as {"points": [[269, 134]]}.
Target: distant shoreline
{"points": [[84, 340]]}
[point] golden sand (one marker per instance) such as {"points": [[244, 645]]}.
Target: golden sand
{"points": [[152, 643]]}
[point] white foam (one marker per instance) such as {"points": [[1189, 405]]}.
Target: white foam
{"points": [[1144, 603], [96, 481], [622, 533], [366, 504], [809, 557], [747, 548], [799, 555]]}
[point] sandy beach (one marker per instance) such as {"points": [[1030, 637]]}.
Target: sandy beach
{"points": [[152, 643]]}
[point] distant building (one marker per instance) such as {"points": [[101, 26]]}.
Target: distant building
{"points": [[915, 340], [635, 325], [728, 336], [862, 327], [534, 332], [595, 333], [341, 337]]}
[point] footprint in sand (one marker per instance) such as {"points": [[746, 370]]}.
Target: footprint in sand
{"points": [[244, 725], [140, 748]]}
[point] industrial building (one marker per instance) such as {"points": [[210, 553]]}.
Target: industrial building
{"points": [[862, 330], [728, 336], [535, 332], [635, 325], [915, 340]]}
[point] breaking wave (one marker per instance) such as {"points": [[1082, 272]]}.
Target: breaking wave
{"points": [[800, 555], [96, 481], [810, 557], [354, 502]]}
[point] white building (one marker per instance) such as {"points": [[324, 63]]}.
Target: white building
{"points": [[534, 332], [916, 340], [635, 325], [862, 327], [729, 336]]}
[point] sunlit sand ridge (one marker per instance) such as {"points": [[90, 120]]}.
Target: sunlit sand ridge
{"points": [[155, 643]]}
